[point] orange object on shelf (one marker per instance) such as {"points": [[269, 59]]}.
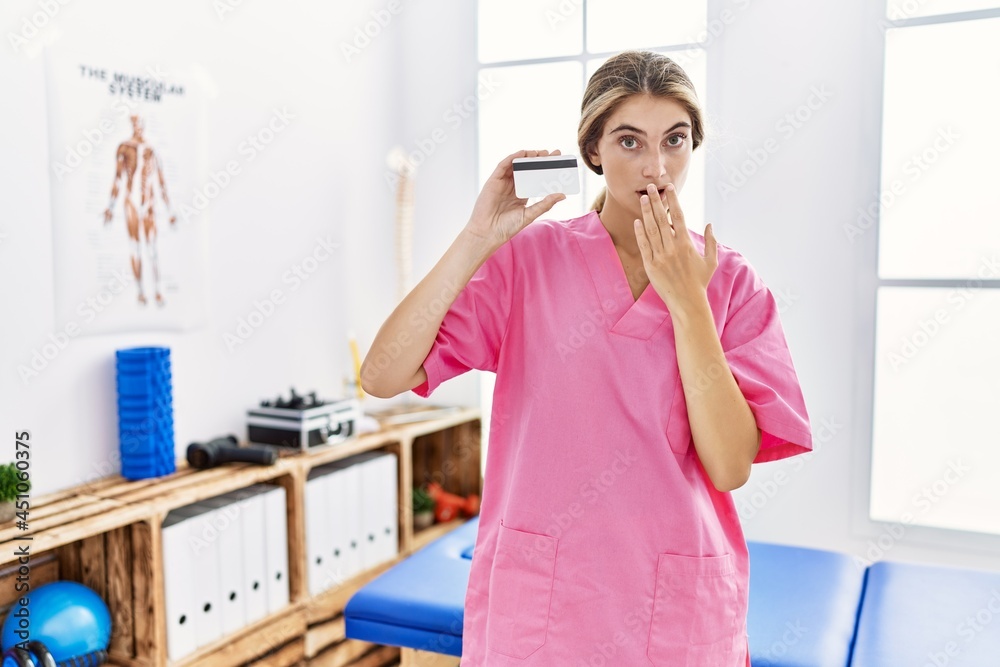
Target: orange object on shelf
{"points": [[448, 505]]}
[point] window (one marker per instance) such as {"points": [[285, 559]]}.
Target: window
{"points": [[935, 458], [531, 86]]}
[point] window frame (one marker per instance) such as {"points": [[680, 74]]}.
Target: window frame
{"points": [[870, 286]]}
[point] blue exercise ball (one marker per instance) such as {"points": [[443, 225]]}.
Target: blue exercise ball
{"points": [[68, 617]]}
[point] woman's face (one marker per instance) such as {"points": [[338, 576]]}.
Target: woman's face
{"points": [[646, 140]]}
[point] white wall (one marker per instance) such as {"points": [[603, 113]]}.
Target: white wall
{"points": [[437, 70], [768, 60], [320, 176]]}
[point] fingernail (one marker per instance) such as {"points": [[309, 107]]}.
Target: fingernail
{"points": [[670, 186]]}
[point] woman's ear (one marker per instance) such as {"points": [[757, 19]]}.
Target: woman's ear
{"points": [[595, 158]]}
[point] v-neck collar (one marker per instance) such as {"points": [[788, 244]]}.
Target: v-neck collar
{"points": [[635, 318]]}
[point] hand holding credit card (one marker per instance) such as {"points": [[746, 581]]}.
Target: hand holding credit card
{"points": [[544, 175]]}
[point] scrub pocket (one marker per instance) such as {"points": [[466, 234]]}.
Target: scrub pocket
{"points": [[695, 619], [520, 592]]}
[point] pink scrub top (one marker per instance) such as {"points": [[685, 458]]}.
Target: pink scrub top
{"points": [[602, 541]]}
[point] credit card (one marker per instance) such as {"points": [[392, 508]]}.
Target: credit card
{"points": [[541, 176]]}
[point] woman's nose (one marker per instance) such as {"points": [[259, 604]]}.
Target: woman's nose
{"points": [[655, 167]]}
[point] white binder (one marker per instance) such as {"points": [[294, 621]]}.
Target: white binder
{"points": [[369, 510], [350, 508], [378, 501], [251, 504], [390, 506], [342, 562], [178, 587], [319, 542], [227, 519], [276, 557], [205, 572]]}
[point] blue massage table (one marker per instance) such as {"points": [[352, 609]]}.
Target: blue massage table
{"points": [[419, 602], [803, 606], [808, 608], [929, 615]]}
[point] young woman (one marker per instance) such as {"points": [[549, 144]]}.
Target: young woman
{"points": [[640, 369]]}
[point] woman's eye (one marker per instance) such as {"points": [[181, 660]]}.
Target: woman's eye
{"points": [[629, 142], [679, 137]]}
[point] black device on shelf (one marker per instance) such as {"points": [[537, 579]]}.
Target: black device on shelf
{"points": [[225, 450], [301, 422]]}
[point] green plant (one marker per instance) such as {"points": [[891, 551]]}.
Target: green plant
{"points": [[422, 501], [10, 477]]}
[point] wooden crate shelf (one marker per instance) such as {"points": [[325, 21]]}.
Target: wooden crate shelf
{"points": [[107, 534], [356, 654], [62, 519], [292, 653], [267, 634]]}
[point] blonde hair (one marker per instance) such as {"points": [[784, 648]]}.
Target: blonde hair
{"points": [[619, 78]]}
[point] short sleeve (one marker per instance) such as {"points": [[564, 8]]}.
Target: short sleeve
{"points": [[758, 355], [474, 326]]}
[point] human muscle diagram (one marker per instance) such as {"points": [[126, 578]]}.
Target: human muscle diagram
{"points": [[127, 155], [139, 178]]}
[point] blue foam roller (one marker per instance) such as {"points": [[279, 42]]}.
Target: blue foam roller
{"points": [[157, 371], [142, 353], [143, 385], [146, 402]]}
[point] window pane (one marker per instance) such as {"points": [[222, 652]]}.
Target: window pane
{"points": [[935, 460], [522, 29], [692, 197], [939, 196], [616, 25], [530, 107], [908, 9]]}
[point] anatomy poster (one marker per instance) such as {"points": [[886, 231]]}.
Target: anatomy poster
{"points": [[127, 155]]}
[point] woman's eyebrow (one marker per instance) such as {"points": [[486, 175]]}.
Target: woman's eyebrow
{"points": [[629, 128]]}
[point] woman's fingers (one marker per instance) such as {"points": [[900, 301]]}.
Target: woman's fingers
{"points": [[660, 213], [505, 166], [676, 214], [643, 241], [532, 212], [650, 224], [711, 247]]}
